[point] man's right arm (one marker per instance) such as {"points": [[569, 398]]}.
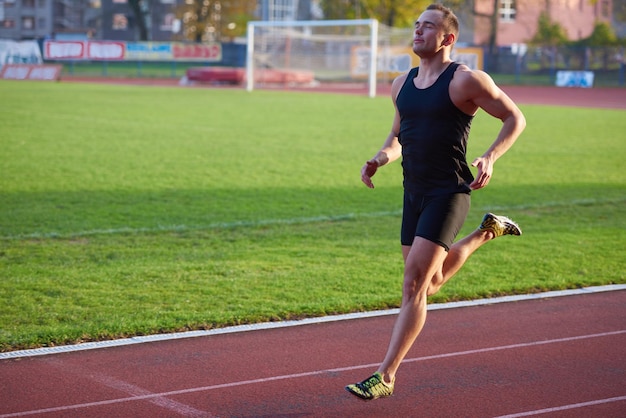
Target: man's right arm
{"points": [[391, 149]]}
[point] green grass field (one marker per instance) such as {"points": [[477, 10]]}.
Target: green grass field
{"points": [[131, 210]]}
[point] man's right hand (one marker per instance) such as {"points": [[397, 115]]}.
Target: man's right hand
{"points": [[368, 171]]}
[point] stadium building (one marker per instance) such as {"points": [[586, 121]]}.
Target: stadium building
{"points": [[114, 19]]}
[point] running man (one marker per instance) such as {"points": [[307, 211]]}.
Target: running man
{"points": [[435, 104]]}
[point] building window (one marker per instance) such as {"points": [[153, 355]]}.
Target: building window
{"points": [[167, 22], [7, 24], [283, 9], [41, 4], [120, 21], [28, 4], [507, 11], [605, 9], [28, 23]]}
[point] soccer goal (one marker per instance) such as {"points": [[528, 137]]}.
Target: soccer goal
{"points": [[312, 52]]}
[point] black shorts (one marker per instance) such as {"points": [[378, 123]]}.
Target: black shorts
{"points": [[435, 218]]}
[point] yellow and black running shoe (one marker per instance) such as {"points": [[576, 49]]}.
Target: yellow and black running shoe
{"points": [[371, 388], [499, 225]]}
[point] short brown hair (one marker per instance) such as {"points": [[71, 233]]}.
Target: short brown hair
{"points": [[450, 21]]}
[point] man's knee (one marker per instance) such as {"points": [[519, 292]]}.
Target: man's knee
{"points": [[433, 288], [415, 285], [410, 287]]}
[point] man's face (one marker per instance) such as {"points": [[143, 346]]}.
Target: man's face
{"points": [[429, 36]]}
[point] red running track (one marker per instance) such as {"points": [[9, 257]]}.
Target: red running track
{"points": [[597, 97], [559, 357]]}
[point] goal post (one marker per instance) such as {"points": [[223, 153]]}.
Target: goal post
{"points": [[319, 50]]}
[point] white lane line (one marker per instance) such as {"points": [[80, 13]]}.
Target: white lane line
{"points": [[308, 321], [128, 388], [163, 402], [306, 374], [565, 407]]}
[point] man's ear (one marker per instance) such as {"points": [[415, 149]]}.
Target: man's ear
{"points": [[449, 39]]}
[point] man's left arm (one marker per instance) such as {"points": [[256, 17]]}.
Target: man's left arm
{"points": [[489, 97]]}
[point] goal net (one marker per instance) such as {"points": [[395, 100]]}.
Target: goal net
{"points": [[313, 53], [332, 52]]}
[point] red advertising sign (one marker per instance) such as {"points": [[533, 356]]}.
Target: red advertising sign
{"points": [[84, 50], [120, 50], [106, 50], [211, 52], [30, 72], [64, 50]]}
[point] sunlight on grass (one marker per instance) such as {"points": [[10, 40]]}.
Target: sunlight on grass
{"points": [[137, 210]]}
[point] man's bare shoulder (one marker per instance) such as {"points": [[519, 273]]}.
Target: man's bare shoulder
{"points": [[470, 88], [467, 77], [402, 77], [469, 84], [397, 84]]}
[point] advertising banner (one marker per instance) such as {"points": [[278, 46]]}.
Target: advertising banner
{"points": [[149, 51], [197, 52], [64, 50], [173, 51], [84, 50], [24, 52], [582, 79], [131, 51], [106, 50], [30, 72], [394, 61]]}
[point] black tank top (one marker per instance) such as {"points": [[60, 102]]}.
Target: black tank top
{"points": [[433, 135]]}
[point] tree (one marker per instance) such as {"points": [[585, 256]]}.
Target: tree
{"points": [[236, 15], [487, 21], [394, 13], [597, 44], [619, 10], [548, 33], [602, 35], [140, 9], [212, 21], [492, 18]]}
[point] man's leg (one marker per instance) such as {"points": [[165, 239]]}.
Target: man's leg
{"points": [[427, 268], [492, 226], [422, 261], [459, 252]]}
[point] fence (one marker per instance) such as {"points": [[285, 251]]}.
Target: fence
{"points": [[513, 65], [540, 65]]}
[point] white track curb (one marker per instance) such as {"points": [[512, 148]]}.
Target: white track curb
{"points": [[271, 325]]}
